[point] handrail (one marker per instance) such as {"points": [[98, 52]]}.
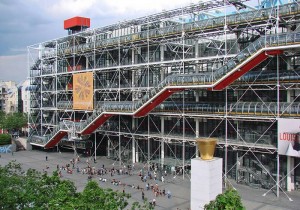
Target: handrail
{"points": [[238, 108]]}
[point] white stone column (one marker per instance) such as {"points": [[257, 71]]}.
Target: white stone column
{"points": [[206, 181]]}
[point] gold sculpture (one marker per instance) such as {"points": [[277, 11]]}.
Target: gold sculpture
{"points": [[206, 146]]}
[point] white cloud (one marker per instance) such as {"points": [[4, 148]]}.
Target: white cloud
{"points": [[42, 20], [70, 7], [13, 67], [128, 6]]}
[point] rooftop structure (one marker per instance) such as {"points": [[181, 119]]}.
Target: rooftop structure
{"points": [[76, 24]]}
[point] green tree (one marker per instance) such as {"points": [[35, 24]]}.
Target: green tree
{"points": [[34, 190], [5, 139], [2, 116], [229, 200], [14, 121]]}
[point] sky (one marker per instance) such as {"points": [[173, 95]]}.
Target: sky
{"points": [[24, 23]]}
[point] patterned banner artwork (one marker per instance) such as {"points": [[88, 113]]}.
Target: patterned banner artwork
{"points": [[83, 91], [289, 137]]}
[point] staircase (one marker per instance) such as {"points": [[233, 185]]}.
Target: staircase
{"points": [[243, 62]]}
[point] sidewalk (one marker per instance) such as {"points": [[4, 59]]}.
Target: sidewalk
{"points": [[179, 187]]}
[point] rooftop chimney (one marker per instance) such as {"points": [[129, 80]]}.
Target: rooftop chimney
{"points": [[76, 24]]}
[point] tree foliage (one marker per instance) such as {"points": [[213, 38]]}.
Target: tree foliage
{"points": [[5, 139], [229, 200], [2, 117], [34, 190], [14, 121]]}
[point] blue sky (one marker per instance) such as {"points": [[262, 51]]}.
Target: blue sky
{"points": [[24, 23], [27, 22]]}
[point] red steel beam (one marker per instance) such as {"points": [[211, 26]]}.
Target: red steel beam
{"points": [[245, 68], [155, 102], [98, 122], [58, 136]]}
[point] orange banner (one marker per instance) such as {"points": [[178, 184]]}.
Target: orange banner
{"points": [[83, 91]]}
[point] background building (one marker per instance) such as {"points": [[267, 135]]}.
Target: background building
{"points": [[143, 90], [9, 96], [25, 95]]}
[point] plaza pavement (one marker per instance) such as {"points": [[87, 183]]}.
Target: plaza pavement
{"points": [[179, 187]]}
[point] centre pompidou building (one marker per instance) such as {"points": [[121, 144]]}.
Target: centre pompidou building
{"points": [[145, 89]]}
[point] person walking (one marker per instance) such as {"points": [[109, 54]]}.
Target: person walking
{"points": [[143, 195], [169, 194], [154, 202], [46, 158]]}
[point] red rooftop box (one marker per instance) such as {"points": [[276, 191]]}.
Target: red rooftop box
{"points": [[77, 22]]}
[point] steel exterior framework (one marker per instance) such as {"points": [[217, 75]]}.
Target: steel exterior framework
{"points": [[131, 58]]}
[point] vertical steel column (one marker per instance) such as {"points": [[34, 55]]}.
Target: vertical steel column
{"points": [[108, 148], [197, 136], [41, 91], [120, 160], [95, 147], [119, 91], [290, 160], [148, 59], [148, 155], [133, 142], [290, 165], [29, 104], [278, 102], [226, 136], [237, 166], [56, 91], [162, 153], [226, 103], [148, 86], [278, 116], [183, 138], [197, 95], [183, 98]]}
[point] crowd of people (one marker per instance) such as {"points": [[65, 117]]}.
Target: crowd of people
{"points": [[149, 179]]}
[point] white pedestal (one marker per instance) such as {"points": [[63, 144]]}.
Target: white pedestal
{"points": [[206, 181]]}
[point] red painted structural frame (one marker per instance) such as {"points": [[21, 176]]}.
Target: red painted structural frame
{"points": [[150, 106], [58, 136], [98, 122], [245, 68]]}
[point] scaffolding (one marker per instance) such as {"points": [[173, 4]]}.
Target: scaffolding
{"points": [[225, 70]]}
